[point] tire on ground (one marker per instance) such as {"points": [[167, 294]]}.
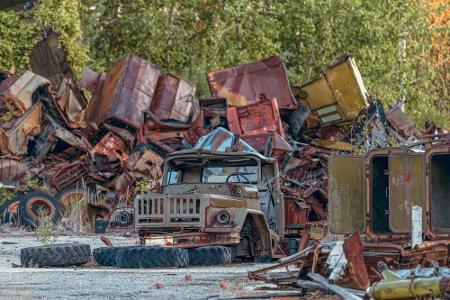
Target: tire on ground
{"points": [[34, 205], [9, 211], [106, 256], [152, 257], [58, 255], [210, 255]]}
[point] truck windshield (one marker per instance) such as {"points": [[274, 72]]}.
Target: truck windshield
{"points": [[212, 171]]}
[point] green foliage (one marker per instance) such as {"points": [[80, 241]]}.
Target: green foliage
{"points": [[15, 36], [44, 233], [6, 195]]}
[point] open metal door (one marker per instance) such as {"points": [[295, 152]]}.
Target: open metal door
{"points": [[406, 189], [346, 194]]}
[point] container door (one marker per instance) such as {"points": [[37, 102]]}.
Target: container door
{"points": [[346, 194], [406, 189]]}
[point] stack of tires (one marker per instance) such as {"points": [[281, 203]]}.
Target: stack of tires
{"points": [[160, 257]]}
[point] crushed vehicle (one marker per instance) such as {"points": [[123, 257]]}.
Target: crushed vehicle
{"points": [[215, 198]]}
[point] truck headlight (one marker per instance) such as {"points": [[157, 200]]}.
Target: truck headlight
{"points": [[223, 217]]}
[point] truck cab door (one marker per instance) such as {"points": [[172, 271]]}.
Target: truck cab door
{"points": [[346, 194], [406, 189]]}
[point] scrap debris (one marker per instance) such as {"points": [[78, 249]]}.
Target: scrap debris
{"points": [[60, 147]]}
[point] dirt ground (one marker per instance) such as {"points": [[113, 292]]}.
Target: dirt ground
{"points": [[94, 282]]}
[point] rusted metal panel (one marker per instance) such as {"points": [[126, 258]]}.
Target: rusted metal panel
{"points": [[19, 96], [261, 117], [15, 140], [69, 173], [353, 250], [71, 104], [398, 119], [249, 83], [406, 189], [270, 140], [48, 58], [127, 93], [346, 194], [111, 146], [173, 99]]}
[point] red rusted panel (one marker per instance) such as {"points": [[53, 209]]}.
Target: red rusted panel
{"points": [[295, 213], [250, 83], [69, 173], [127, 92], [353, 249], [48, 59], [261, 141], [256, 118], [398, 119], [111, 146], [173, 99]]}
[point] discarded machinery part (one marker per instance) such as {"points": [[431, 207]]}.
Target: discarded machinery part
{"points": [[69, 173], [90, 80], [152, 257], [306, 284], [127, 92], [19, 96], [9, 211], [411, 288], [12, 170], [71, 104], [279, 146], [48, 59], [334, 288], [15, 140], [338, 95], [336, 261], [248, 83], [221, 140], [57, 255], [111, 146], [123, 216], [72, 195], [400, 122], [416, 225], [173, 99], [297, 118], [210, 256], [36, 206], [353, 249]]}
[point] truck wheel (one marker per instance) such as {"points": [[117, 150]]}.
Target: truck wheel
{"points": [[9, 211], [35, 205], [106, 256], [58, 255], [152, 257], [210, 255], [74, 194]]}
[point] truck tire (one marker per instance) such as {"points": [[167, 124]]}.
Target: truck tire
{"points": [[210, 256], [152, 257], [58, 255], [9, 211], [106, 256], [32, 203], [71, 194]]}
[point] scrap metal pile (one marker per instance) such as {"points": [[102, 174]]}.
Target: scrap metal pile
{"points": [[58, 144]]}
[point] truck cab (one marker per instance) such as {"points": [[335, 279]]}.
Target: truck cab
{"points": [[214, 198]]}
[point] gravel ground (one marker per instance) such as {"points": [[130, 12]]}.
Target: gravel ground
{"points": [[95, 282]]}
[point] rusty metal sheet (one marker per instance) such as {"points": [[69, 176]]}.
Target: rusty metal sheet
{"points": [[261, 117], [173, 99], [346, 194], [19, 96], [15, 140], [126, 94], [48, 58], [400, 121], [69, 173], [261, 141], [406, 189], [111, 146], [6, 80], [71, 104], [353, 250], [249, 83]]}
